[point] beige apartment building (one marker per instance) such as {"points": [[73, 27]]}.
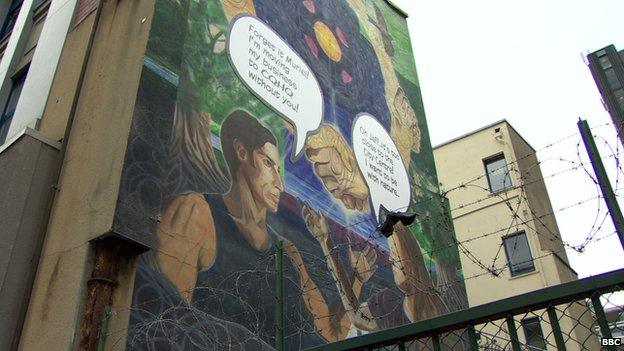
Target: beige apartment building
{"points": [[504, 221]]}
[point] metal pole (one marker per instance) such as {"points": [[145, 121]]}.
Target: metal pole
{"points": [[472, 338], [436, 342], [603, 179], [601, 318], [513, 334], [402, 346], [554, 322], [279, 267]]}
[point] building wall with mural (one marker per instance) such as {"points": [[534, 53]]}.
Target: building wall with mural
{"points": [[299, 121]]}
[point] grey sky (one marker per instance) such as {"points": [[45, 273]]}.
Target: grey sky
{"points": [[481, 61]]}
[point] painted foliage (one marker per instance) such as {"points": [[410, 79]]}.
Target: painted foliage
{"points": [[220, 166]]}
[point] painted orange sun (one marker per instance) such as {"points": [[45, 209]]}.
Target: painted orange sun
{"points": [[327, 41]]}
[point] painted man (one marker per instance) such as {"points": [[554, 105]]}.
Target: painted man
{"points": [[217, 249], [334, 164]]}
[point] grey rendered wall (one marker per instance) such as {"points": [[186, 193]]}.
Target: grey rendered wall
{"points": [[27, 172]]}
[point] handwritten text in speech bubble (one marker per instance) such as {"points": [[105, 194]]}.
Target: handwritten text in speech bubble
{"points": [[380, 163], [276, 74]]}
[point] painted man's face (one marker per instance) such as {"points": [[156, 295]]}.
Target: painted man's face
{"points": [[262, 172]]}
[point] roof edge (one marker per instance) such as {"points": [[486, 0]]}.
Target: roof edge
{"points": [[501, 121]]}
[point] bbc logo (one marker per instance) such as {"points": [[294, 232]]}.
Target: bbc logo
{"points": [[611, 342]]}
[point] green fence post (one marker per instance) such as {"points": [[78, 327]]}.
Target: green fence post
{"points": [[472, 338], [104, 328], [603, 179], [513, 334], [605, 331], [279, 287], [554, 323], [402, 345], [435, 339]]}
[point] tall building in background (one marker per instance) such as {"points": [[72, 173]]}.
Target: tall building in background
{"points": [[509, 240], [607, 68]]}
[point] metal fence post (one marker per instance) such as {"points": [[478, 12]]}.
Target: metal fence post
{"points": [[279, 287], [513, 334], [472, 338], [554, 322], [435, 339], [603, 179], [402, 346], [602, 319]]}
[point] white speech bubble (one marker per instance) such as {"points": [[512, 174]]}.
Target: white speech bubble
{"points": [[277, 75], [381, 165]]}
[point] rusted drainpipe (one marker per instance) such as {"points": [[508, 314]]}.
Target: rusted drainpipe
{"points": [[100, 288], [111, 252]]}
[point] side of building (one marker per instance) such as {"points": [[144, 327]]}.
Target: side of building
{"points": [[88, 119], [508, 234], [32, 36], [607, 68]]}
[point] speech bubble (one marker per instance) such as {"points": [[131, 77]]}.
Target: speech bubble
{"points": [[381, 165], [277, 75]]}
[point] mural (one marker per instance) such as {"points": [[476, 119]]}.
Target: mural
{"points": [[291, 120]]}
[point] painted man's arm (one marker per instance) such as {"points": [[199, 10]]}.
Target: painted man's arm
{"points": [[411, 276], [186, 241], [330, 321], [362, 263]]}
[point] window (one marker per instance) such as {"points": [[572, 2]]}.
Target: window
{"points": [[605, 62], [497, 173], [9, 109], [619, 97], [11, 18], [612, 79], [518, 253], [533, 334]]}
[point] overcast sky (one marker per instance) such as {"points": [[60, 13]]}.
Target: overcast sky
{"points": [[485, 60]]}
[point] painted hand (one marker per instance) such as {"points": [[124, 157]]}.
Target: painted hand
{"points": [[316, 223], [335, 165]]}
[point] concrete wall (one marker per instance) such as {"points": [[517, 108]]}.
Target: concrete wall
{"points": [[89, 182], [27, 169], [544, 222]]}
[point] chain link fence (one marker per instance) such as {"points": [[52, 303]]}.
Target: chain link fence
{"points": [[574, 316]]}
